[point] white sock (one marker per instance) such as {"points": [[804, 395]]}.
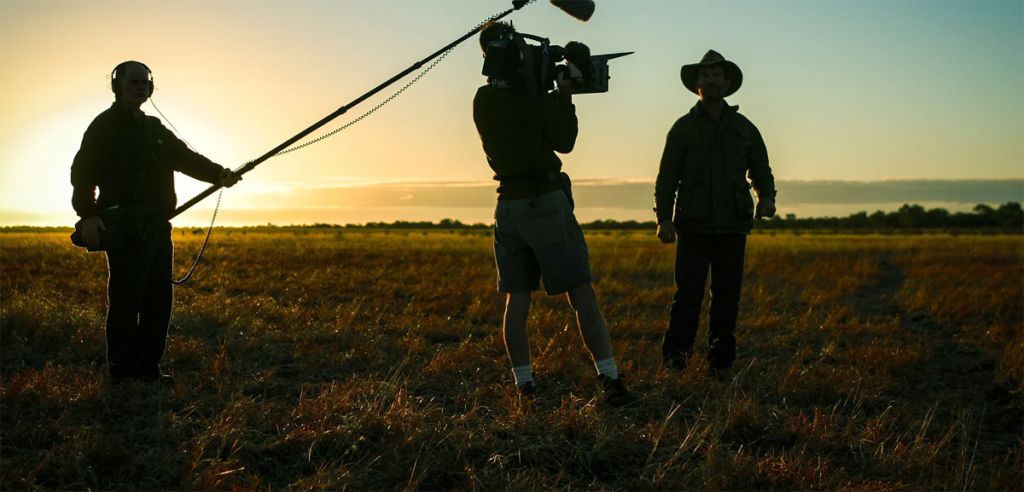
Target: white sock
{"points": [[607, 367], [523, 374]]}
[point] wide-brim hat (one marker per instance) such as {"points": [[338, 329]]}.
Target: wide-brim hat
{"points": [[732, 72]]}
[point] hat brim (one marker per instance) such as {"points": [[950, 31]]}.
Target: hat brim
{"points": [[688, 74]]}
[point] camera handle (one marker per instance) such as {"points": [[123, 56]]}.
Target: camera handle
{"points": [[532, 88], [516, 5], [528, 75]]}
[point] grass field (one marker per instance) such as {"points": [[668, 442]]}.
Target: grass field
{"points": [[357, 360]]}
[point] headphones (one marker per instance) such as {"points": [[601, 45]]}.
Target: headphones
{"points": [[118, 73]]}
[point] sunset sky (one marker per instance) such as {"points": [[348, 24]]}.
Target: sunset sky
{"points": [[841, 91]]}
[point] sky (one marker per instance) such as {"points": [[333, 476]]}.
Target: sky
{"points": [[882, 93]]}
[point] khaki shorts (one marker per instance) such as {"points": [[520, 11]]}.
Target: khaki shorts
{"points": [[539, 237]]}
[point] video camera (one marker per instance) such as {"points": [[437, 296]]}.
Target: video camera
{"points": [[535, 67]]}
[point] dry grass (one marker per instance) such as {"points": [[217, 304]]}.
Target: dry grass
{"points": [[359, 360]]}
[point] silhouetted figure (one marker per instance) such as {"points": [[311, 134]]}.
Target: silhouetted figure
{"points": [[130, 158], [708, 156], [535, 231]]}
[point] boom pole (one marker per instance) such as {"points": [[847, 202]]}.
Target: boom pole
{"points": [[342, 110]]}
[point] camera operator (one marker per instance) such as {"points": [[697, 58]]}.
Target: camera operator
{"points": [[709, 153], [535, 233], [130, 158]]}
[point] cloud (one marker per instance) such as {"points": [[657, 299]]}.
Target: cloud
{"points": [[966, 191]]}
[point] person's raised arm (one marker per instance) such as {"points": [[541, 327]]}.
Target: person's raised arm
{"points": [[194, 164], [561, 127]]}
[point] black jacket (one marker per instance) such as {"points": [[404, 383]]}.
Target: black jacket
{"points": [[132, 162], [708, 162], [520, 136]]}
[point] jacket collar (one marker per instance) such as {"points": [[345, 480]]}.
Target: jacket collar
{"points": [[727, 110], [124, 113]]}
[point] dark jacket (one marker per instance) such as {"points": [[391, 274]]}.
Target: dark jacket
{"points": [[132, 162], [708, 163], [520, 136]]}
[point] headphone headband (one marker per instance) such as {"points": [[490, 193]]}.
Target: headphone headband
{"points": [[118, 73]]}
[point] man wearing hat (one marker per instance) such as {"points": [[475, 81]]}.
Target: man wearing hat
{"points": [[702, 195]]}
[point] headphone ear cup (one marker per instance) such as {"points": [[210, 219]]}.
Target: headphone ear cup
{"points": [[151, 87], [115, 82]]}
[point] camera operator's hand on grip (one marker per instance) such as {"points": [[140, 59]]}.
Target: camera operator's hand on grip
{"points": [[564, 78], [667, 232]]}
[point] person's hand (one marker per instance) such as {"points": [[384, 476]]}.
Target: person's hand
{"points": [[667, 232], [91, 231], [565, 83], [765, 207], [228, 178]]}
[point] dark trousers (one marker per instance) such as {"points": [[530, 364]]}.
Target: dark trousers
{"points": [[695, 253], [139, 297]]}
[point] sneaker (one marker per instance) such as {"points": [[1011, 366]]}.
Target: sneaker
{"points": [[615, 393], [528, 390]]}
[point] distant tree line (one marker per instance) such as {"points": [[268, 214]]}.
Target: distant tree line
{"points": [[616, 225], [402, 224], [1007, 215]]}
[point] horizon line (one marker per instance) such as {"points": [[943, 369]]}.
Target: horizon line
{"points": [[472, 224]]}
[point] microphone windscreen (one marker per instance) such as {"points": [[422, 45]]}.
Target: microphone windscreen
{"points": [[580, 9]]}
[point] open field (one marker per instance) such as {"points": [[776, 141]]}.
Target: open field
{"points": [[373, 360]]}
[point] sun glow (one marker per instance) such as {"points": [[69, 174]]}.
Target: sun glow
{"points": [[239, 78]]}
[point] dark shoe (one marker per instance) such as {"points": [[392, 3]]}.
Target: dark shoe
{"points": [[120, 373], [615, 393], [162, 379], [152, 374], [723, 374], [528, 390], [675, 366]]}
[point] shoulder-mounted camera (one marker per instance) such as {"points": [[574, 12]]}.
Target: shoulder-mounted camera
{"points": [[535, 67]]}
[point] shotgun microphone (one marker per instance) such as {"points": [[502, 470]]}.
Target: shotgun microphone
{"points": [[580, 9]]}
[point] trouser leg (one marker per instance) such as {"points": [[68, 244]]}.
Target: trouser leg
{"points": [[124, 300], [726, 284], [155, 315], [691, 272]]}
